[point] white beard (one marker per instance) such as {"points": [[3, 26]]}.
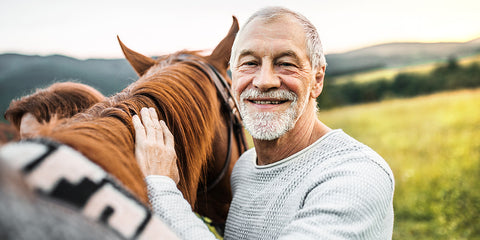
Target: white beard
{"points": [[270, 125]]}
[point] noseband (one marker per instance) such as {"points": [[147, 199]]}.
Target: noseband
{"points": [[229, 106]]}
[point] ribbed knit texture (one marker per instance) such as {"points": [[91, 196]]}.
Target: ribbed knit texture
{"points": [[168, 203], [337, 188]]}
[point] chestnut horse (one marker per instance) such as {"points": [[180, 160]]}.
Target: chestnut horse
{"points": [[183, 88], [49, 105]]}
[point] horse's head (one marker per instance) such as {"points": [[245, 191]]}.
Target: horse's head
{"points": [[224, 134], [219, 58]]}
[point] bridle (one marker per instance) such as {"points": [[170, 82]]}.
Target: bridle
{"points": [[229, 106]]}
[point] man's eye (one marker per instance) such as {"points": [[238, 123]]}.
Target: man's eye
{"points": [[250, 63], [286, 64]]}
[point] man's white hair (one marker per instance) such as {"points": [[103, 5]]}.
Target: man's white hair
{"points": [[313, 44]]}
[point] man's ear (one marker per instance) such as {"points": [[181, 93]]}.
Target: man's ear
{"points": [[318, 85]]}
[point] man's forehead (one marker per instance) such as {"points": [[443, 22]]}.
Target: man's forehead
{"points": [[283, 27], [267, 23], [273, 36]]}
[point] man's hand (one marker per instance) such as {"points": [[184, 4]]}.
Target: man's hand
{"points": [[155, 146]]}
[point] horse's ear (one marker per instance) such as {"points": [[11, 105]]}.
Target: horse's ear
{"points": [[139, 62], [220, 56]]}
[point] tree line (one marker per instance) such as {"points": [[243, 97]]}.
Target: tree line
{"points": [[447, 76]]}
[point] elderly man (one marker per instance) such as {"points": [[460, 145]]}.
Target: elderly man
{"points": [[302, 180]]}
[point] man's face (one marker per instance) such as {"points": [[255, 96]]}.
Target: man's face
{"points": [[272, 76]]}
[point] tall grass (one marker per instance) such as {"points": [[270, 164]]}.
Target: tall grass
{"points": [[432, 144]]}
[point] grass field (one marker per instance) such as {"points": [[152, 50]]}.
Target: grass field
{"points": [[390, 73], [432, 144]]}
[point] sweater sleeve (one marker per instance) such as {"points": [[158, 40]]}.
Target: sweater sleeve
{"points": [[168, 203], [355, 202]]}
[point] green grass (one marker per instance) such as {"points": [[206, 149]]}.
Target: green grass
{"points": [[432, 144]]}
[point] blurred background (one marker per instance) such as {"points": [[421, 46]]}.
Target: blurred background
{"points": [[402, 77]]}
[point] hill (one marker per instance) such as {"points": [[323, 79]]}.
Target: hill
{"points": [[21, 75], [399, 54]]}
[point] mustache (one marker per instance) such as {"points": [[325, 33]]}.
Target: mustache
{"points": [[276, 94]]}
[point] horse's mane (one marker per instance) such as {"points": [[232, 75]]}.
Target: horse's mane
{"points": [[183, 96], [60, 100]]}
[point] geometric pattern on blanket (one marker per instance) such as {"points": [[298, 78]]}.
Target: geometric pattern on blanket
{"points": [[63, 174]]}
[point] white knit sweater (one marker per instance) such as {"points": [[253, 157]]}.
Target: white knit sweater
{"points": [[337, 188]]}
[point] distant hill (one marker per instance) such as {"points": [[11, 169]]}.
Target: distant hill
{"points": [[22, 74], [397, 54]]}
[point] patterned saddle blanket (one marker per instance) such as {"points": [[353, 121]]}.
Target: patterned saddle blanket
{"points": [[61, 174]]}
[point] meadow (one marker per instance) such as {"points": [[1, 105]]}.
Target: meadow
{"points": [[432, 144]]}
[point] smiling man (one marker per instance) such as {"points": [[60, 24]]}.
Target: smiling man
{"points": [[302, 180], [277, 84]]}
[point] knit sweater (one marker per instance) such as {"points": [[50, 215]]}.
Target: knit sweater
{"points": [[336, 188]]}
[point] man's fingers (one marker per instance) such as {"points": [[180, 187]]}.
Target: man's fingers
{"points": [[149, 126], [154, 148], [168, 136], [146, 119], [139, 129], [153, 113], [157, 128], [140, 138]]}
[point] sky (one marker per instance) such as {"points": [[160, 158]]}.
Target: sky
{"points": [[88, 28]]}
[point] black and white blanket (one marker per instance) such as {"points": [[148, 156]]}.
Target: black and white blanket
{"points": [[59, 173]]}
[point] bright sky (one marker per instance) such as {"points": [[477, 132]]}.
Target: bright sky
{"points": [[88, 28]]}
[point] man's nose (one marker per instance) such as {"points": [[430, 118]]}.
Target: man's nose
{"points": [[266, 78]]}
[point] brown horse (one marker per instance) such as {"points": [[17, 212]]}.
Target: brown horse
{"points": [[49, 105], [181, 88]]}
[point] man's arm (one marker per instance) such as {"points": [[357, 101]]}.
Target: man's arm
{"points": [[168, 203]]}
